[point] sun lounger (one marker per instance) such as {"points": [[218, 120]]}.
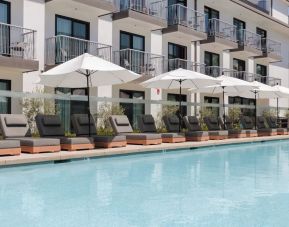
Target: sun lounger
{"points": [[80, 125], [147, 125], [215, 132], [272, 123], [233, 132], [10, 147], [195, 132], [121, 126], [248, 125], [50, 126], [15, 127], [262, 128], [172, 126]]}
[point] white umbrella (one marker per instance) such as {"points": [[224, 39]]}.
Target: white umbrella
{"points": [[284, 92], [228, 84], [86, 71], [178, 79]]}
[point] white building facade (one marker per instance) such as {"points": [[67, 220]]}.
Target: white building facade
{"points": [[247, 39]]}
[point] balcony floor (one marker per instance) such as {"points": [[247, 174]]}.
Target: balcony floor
{"points": [[18, 64], [267, 58], [246, 52]]}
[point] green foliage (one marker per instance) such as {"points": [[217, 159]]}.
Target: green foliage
{"points": [[269, 113], [105, 110], [166, 111], [235, 114], [33, 106], [205, 112]]}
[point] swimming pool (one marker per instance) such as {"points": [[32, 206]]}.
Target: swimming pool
{"points": [[235, 185]]}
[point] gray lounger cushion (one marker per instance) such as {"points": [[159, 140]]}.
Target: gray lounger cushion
{"points": [[120, 124], [247, 123], [196, 133], [76, 140], [49, 125], [172, 135], [272, 122], [142, 136], [146, 123], [80, 123], [192, 123], [14, 125], [107, 139], [218, 133], [6, 144], [37, 142], [262, 126], [212, 123], [171, 123]]}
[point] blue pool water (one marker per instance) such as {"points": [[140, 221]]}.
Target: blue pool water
{"points": [[240, 185]]}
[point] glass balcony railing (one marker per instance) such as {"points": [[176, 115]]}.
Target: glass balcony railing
{"points": [[250, 77], [176, 63], [155, 8], [16, 41], [271, 46], [251, 39], [216, 71], [62, 48], [221, 29], [140, 62], [263, 5], [182, 15]]}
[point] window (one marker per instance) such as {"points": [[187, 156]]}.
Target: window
{"points": [[240, 66], [176, 98], [210, 14], [72, 27], [176, 51], [240, 25], [212, 62], [213, 100], [244, 101], [132, 110], [262, 70], [4, 30], [4, 12], [5, 102], [263, 34], [132, 56]]}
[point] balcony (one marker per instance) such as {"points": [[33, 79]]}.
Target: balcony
{"points": [[221, 36], [17, 48], [216, 71], [61, 48], [184, 22], [106, 5], [271, 52], [249, 44], [173, 64], [150, 14], [143, 63], [262, 5]]}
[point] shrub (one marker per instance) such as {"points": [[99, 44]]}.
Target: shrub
{"points": [[205, 112], [234, 114], [167, 110], [269, 113]]}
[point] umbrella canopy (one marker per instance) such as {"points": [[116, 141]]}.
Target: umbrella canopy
{"points": [[187, 78], [73, 73], [229, 85], [283, 91], [178, 79], [86, 71]]}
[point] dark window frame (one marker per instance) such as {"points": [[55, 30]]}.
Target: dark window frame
{"points": [[9, 83], [87, 24], [131, 40], [212, 53], [9, 10], [180, 46]]}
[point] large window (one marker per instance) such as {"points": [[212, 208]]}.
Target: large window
{"points": [[244, 101], [262, 70], [5, 102], [210, 14], [176, 98], [176, 51], [263, 34], [132, 110], [240, 66], [132, 54], [4, 12], [4, 30], [212, 62], [67, 108]]}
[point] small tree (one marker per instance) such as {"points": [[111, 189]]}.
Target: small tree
{"points": [[167, 110], [205, 112], [105, 110], [33, 106], [235, 114], [269, 113]]}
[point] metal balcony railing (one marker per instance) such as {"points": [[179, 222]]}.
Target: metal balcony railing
{"points": [[271, 81], [155, 8], [16, 41], [216, 71], [248, 38], [182, 15], [271, 46], [62, 48], [176, 63], [140, 62], [221, 29], [263, 5], [250, 77]]}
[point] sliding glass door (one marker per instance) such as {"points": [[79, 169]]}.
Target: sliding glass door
{"points": [[179, 53], [5, 102], [4, 29]]}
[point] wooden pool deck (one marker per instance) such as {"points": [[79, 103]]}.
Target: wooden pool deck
{"points": [[130, 149]]}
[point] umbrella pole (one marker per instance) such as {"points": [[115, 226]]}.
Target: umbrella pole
{"points": [[224, 113], [277, 110], [180, 106], [88, 102], [255, 92]]}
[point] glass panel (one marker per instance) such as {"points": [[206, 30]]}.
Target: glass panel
{"points": [[176, 98], [80, 30], [240, 25], [138, 43], [212, 100], [5, 102], [124, 41], [63, 26]]}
